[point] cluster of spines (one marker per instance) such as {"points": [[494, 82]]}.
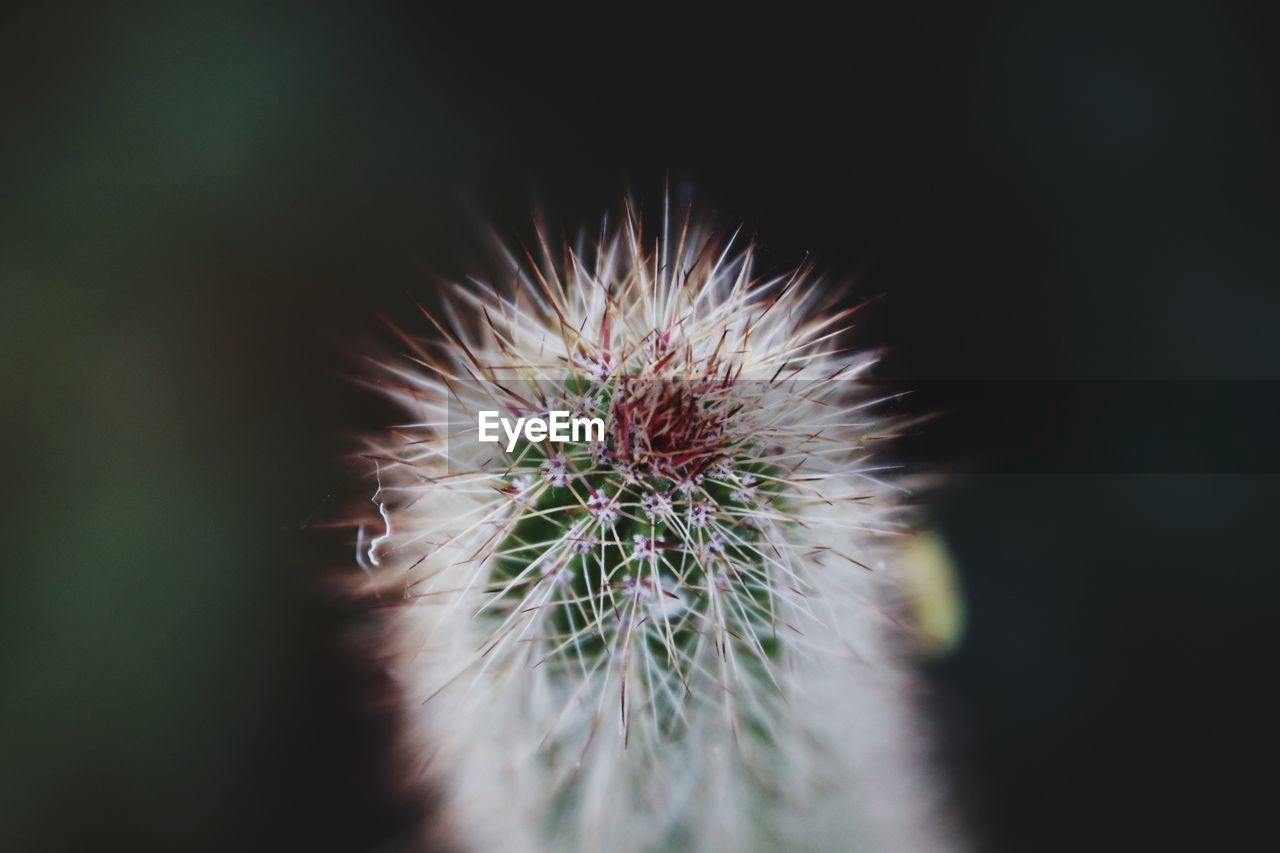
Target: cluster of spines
{"points": [[614, 551], [667, 568]]}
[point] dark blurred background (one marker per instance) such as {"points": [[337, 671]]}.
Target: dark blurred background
{"points": [[205, 210]]}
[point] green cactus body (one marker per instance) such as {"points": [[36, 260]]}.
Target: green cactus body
{"points": [[680, 636]]}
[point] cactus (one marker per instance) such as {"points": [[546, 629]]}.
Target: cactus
{"points": [[682, 636]]}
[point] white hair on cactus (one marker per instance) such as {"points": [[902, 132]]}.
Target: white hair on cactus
{"points": [[681, 637]]}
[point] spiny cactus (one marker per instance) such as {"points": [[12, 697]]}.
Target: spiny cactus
{"points": [[680, 636]]}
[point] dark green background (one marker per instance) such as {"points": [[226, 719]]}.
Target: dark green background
{"points": [[206, 208]]}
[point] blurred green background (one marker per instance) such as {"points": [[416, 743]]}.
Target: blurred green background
{"points": [[207, 207]]}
